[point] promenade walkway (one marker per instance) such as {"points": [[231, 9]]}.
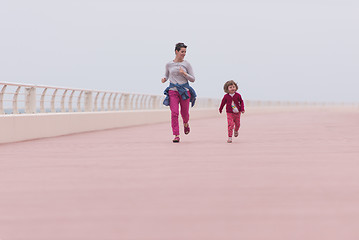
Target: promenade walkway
{"points": [[289, 176]]}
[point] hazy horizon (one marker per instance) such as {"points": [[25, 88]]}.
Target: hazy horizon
{"points": [[285, 51]]}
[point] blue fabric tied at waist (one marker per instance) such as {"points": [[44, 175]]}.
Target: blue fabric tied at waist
{"points": [[181, 88]]}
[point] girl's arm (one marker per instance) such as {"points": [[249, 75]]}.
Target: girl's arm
{"points": [[222, 104], [242, 103]]}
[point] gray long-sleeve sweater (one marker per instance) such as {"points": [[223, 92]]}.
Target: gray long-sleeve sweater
{"points": [[173, 72]]}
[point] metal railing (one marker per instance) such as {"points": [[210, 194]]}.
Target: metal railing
{"points": [[18, 98], [256, 103]]}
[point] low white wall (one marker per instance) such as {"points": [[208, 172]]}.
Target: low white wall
{"points": [[20, 127]]}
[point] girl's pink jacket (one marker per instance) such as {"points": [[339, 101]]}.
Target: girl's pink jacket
{"points": [[227, 99]]}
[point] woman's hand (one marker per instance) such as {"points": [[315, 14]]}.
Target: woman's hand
{"points": [[163, 80], [182, 71]]}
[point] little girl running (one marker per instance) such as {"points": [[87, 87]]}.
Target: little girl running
{"points": [[234, 108]]}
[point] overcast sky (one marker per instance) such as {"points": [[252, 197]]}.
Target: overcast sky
{"points": [[296, 50]]}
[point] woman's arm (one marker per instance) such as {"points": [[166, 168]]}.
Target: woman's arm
{"points": [[189, 75], [167, 73]]}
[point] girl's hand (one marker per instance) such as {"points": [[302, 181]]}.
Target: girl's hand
{"points": [[182, 71], [163, 80]]}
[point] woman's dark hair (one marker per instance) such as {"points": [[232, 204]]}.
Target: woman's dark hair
{"points": [[179, 46], [229, 83]]}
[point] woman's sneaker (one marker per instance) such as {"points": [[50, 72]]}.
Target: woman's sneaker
{"points": [[176, 140], [229, 140], [187, 129], [235, 133]]}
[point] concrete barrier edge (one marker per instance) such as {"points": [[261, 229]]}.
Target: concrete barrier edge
{"points": [[23, 127]]}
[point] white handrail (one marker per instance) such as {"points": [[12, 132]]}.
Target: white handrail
{"points": [[1, 99], [92, 101], [43, 98]]}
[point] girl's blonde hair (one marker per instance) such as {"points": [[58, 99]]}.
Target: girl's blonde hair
{"points": [[229, 83]]}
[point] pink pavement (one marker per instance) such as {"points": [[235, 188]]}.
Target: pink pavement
{"points": [[289, 175]]}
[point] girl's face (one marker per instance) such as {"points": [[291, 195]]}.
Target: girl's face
{"points": [[232, 88], [181, 53]]}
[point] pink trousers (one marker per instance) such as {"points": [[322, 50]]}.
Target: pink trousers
{"points": [[175, 101], [234, 121]]}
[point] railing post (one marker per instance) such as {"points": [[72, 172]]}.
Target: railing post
{"points": [[109, 102], [70, 101], [114, 102], [143, 102], [79, 102], [154, 102], [134, 102], [42, 101], [147, 103], [159, 102], [95, 102], [103, 102], [30, 104], [2, 99], [126, 101], [63, 101], [14, 101], [88, 101], [53, 109]]}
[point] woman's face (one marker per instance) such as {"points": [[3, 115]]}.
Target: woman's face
{"points": [[181, 53]]}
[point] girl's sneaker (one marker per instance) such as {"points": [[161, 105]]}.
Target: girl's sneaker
{"points": [[235, 133], [229, 140], [176, 140]]}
